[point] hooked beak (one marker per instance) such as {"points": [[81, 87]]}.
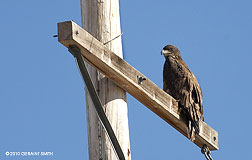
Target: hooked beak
{"points": [[165, 52]]}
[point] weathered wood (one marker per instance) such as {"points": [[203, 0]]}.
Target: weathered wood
{"points": [[102, 20], [125, 76]]}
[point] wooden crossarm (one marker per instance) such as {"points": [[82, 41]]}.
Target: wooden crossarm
{"points": [[127, 77]]}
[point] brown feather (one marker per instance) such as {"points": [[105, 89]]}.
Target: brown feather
{"points": [[181, 84]]}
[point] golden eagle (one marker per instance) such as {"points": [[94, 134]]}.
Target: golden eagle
{"points": [[182, 85]]}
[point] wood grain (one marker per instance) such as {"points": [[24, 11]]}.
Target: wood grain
{"points": [[102, 20]]}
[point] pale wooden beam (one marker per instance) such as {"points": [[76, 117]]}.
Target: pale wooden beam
{"points": [[126, 76]]}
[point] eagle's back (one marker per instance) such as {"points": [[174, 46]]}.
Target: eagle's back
{"points": [[182, 85]]}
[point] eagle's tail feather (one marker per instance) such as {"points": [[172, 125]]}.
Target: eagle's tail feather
{"points": [[191, 124], [193, 129], [195, 125]]}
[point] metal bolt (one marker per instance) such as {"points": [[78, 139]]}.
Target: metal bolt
{"points": [[205, 150], [140, 79]]}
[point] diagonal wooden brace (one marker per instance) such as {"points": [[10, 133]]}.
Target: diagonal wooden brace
{"points": [[126, 77]]}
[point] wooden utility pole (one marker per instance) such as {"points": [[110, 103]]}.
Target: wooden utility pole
{"points": [[102, 20]]}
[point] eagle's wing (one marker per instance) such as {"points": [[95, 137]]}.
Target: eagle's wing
{"points": [[191, 94]]}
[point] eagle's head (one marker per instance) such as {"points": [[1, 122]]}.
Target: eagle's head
{"points": [[170, 50]]}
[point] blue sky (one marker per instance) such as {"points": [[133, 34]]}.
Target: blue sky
{"points": [[42, 104]]}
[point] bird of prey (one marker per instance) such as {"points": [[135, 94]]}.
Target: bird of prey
{"points": [[182, 85]]}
